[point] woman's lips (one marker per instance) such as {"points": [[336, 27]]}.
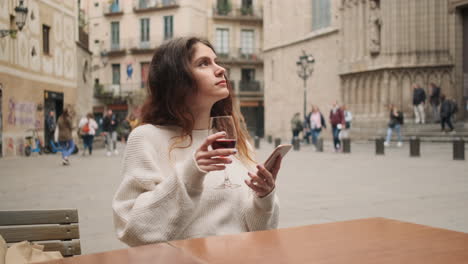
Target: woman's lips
{"points": [[221, 83]]}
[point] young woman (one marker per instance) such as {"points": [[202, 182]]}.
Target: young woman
{"points": [[170, 172], [88, 127], [396, 120], [65, 138], [317, 122]]}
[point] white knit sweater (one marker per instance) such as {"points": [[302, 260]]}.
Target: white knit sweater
{"points": [[162, 198]]}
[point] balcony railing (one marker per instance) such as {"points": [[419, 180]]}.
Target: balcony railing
{"points": [[116, 90], [241, 55], [112, 9], [238, 12], [153, 5], [249, 86]]}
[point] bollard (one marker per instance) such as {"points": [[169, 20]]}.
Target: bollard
{"points": [[270, 139], [296, 144], [319, 145], [277, 142], [415, 147], [257, 142], [458, 149], [346, 145], [379, 146]]}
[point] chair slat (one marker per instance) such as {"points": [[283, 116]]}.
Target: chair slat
{"points": [[39, 232], [32, 217], [67, 248]]}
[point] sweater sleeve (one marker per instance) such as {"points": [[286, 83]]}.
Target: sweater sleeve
{"points": [[151, 206], [262, 213]]}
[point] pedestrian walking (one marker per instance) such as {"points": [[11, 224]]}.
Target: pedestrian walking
{"points": [[317, 122], [65, 136], [87, 127], [394, 124], [348, 116], [419, 101], [296, 126], [337, 122], [49, 129], [434, 99], [446, 112], [170, 173], [109, 126]]}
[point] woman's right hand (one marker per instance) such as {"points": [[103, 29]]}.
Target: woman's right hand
{"points": [[213, 160]]}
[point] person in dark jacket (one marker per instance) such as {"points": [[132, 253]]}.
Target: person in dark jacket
{"points": [[395, 123], [419, 101], [337, 122], [434, 99], [109, 126], [49, 129], [446, 111]]}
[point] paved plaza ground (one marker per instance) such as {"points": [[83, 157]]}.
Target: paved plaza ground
{"points": [[313, 188]]}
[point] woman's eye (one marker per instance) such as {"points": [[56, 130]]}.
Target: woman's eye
{"points": [[204, 63]]}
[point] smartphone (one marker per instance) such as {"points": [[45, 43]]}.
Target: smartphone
{"points": [[281, 150]]}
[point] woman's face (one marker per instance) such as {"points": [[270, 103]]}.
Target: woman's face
{"points": [[209, 77]]}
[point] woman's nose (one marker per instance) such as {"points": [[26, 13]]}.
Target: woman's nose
{"points": [[220, 71]]}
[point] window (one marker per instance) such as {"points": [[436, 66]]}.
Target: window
{"points": [[247, 8], [115, 35], [115, 7], [247, 42], [144, 32], [45, 39], [168, 27], [248, 75], [222, 41], [144, 74], [115, 73], [321, 16]]}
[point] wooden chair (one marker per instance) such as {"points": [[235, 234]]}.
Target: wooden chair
{"points": [[57, 230]]}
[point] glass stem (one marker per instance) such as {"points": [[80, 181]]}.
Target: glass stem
{"points": [[227, 182]]}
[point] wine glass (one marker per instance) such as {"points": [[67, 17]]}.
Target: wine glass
{"points": [[225, 124]]}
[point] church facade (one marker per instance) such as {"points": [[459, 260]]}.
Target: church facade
{"points": [[376, 50]]}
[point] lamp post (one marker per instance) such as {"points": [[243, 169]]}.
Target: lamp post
{"points": [[21, 13], [305, 68]]}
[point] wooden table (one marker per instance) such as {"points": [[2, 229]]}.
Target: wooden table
{"points": [[150, 254], [374, 240]]}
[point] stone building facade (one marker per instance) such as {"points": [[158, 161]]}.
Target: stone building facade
{"points": [[125, 34], [37, 69], [289, 30], [377, 49]]}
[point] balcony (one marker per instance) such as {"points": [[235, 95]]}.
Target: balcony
{"points": [[115, 91], [250, 89], [141, 6], [241, 56], [112, 9], [244, 13], [137, 46]]}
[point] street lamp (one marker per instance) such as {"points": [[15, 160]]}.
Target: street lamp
{"points": [[305, 67], [20, 19]]}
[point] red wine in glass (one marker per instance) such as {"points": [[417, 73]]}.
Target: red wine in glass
{"points": [[224, 143]]}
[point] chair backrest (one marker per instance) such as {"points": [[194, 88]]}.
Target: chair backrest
{"points": [[57, 230]]}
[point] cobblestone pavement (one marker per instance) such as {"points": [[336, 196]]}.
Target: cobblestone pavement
{"points": [[313, 188]]}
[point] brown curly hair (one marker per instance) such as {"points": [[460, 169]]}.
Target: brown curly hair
{"points": [[171, 82]]}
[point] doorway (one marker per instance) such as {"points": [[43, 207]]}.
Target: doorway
{"points": [[53, 102]]}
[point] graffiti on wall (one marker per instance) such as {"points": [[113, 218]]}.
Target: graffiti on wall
{"points": [[23, 114]]}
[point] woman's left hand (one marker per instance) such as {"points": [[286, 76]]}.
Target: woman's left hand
{"points": [[263, 182]]}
